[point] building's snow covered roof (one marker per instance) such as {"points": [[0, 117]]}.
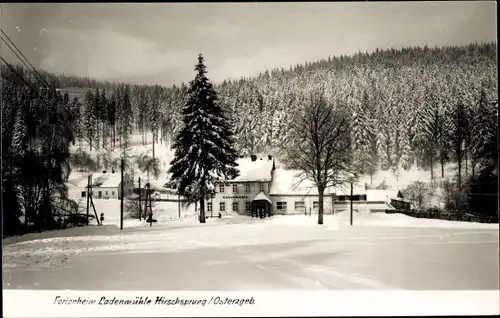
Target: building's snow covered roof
{"points": [[290, 182], [103, 180], [380, 195], [108, 179], [345, 189], [262, 197], [254, 171], [383, 195]]}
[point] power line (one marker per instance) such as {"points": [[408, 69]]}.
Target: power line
{"points": [[17, 73], [15, 53], [34, 69], [37, 76]]}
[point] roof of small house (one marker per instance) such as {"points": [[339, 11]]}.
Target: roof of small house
{"points": [[259, 170], [104, 180]]}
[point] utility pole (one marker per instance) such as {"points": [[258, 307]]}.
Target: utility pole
{"points": [[179, 204], [121, 198], [140, 208], [351, 202], [88, 197], [333, 203]]}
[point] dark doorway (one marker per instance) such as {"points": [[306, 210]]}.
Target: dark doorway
{"points": [[261, 209], [100, 194]]}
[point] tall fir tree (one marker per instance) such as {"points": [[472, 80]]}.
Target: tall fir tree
{"points": [[204, 147]]}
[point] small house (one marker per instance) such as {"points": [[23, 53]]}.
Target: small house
{"points": [[107, 185]]}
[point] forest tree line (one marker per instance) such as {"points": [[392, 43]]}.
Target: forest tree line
{"points": [[411, 106], [423, 106]]}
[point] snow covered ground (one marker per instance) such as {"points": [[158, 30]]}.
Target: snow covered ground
{"points": [[163, 212], [284, 252]]}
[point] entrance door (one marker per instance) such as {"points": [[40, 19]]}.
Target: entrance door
{"points": [[261, 212], [100, 194]]}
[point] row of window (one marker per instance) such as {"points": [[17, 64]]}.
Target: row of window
{"points": [[99, 193], [248, 189], [280, 206], [354, 197], [222, 189], [94, 193], [236, 207]]}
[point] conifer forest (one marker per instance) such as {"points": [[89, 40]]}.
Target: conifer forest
{"points": [[416, 106]]}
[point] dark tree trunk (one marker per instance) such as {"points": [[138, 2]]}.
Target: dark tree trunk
{"points": [[154, 145], [466, 163], [142, 134], [203, 219], [459, 162], [442, 164], [432, 168], [320, 208]]}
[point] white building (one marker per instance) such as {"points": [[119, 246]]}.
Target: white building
{"points": [[107, 186], [246, 193], [262, 190]]}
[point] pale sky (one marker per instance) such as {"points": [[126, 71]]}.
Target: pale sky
{"points": [[159, 43]]}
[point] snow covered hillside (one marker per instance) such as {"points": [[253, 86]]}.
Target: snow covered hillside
{"points": [[135, 150]]}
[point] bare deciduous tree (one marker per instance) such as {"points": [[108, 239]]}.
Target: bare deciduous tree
{"points": [[320, 145], [417, 193]]}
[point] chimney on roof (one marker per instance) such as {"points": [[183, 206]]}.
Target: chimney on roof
{"points": [[253, 157], [269, 157]]}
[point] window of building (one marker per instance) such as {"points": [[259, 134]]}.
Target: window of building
{"points": [[261, 187], [356, 197], [235, 206], [299, 205], [248, 206], [221, 188], [235, 188], [222, 207], [209, 206], [106, 192], [112, 192], [281, 206], [342, 198], [363, 197], [247, 188], [84, 194]]}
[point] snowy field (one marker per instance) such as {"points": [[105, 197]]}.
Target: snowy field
{"points": [[379, 252]]}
